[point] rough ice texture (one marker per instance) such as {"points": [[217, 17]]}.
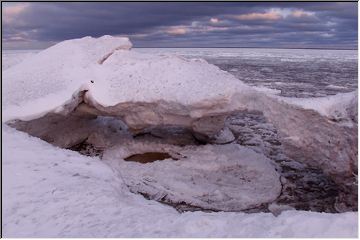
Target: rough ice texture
{"points": [[342, 106], [151, 78], [12, 57], [48, 79], [212, 177], [51, 77], [102, 77], [51, 192]]}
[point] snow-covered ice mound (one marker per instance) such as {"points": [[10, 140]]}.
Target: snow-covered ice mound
{"points": [[111, 75], [49, 79], [212, 177], [341, 107], [80, 79]]}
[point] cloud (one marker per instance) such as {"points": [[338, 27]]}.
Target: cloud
{"points": [[11, 12], [301, 13], [271, 15], [176, 30], [275, 14], [178, 24], [214, 20]]}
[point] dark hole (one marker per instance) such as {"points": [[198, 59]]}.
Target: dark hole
{"points": [[149, 157], [87, 149]]}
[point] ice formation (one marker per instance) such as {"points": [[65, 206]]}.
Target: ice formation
{"points": [[341, 107], [53, 192], [212, 177], [49, 79], [57, 93]]}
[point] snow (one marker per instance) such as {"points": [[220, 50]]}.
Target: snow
{"points": [[266, 90], [334, 107], [13, 57], [132, 76], [111, 74], [52, 192], [70, 65]]}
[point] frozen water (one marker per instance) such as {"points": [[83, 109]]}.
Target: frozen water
{"points": [[296, 72], [211, 177]]}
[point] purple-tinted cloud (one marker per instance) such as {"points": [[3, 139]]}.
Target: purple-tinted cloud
{"points": [[228, 24]]}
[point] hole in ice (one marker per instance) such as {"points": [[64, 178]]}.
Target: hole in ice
{"points": [[149, 157]]}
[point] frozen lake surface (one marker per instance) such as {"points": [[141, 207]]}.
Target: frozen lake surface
{"points": [[296, 72]]}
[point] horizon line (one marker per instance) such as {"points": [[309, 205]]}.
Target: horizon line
{"points": [[315, 48], [301, 48]]}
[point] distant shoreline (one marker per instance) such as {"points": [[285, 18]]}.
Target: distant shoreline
{"points": [[337, 49], [259, 48]]}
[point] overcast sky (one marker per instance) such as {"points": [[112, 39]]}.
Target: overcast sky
{"points": [[295, 25]]}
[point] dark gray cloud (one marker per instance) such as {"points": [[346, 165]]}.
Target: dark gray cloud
{"points": [[229, 24]]}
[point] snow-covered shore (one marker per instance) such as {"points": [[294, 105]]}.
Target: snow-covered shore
{"points": [[51, 192]]}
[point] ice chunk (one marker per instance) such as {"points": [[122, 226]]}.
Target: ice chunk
{"points": [[212, 177], [339, 107], [49, 79]]}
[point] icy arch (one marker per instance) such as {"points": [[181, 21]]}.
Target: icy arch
{"points": [[77, 80]]}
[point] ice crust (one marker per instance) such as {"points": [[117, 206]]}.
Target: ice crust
{"points": [[212, 177], [342, 106]]}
